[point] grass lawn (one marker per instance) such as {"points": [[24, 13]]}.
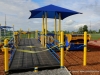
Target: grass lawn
{"points": [[32, 35], [95, 36]]}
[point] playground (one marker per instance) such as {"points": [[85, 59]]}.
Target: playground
{"points": [[75, 60], [43, 53], [74, 64]]}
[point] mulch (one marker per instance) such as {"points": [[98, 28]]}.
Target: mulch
{"points": [[74, 60], [1, 63]]}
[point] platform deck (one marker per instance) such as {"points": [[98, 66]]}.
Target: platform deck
{"points": [[24, 60]]}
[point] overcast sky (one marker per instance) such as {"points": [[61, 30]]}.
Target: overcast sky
{"points": [[17, 13]]}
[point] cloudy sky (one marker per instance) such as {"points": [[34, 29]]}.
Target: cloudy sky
{"points": [[17, 14]]}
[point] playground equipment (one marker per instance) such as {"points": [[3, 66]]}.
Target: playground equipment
{"points": [[85, 49], [6, 55], [50, 49], [26, 34], [48, 56], [72, 42], [5, 32], [62, 50], [37, 52], [76, 41]]}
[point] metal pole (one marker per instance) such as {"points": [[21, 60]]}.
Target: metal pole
{"points": [[6, 55], [42, 33], [55, 25], [59, 27], [45, 28], [17, 39], [36, 34], [62, 50], [55, 29], [85, 48], [43, 23]]}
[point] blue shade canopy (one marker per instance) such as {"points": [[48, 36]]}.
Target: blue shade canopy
{"points": [[52, 11], [1, 27]]}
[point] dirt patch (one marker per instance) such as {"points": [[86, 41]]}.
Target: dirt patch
{"points": [[74, 60], [1, 63]]}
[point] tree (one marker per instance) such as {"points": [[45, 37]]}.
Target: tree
{"points": [[66, 31], [52, 31], [99, 30], [85, 28], [80, 30]]}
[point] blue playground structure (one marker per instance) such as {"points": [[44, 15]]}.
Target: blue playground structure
{"points": [[76, 43]]}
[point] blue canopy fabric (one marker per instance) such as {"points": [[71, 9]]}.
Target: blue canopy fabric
{"points": [[1, 27], [52, 11]]}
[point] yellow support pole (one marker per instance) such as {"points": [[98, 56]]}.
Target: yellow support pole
{"points": [[85, 48], [36, 34], [55, 30], [43, 24], [41, 38], [45, 28], [6, 55], [16, 39], [59, 27], [42, 35], [62, 50]]}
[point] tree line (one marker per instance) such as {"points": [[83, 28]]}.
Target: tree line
{"points": [[79, 31], [85, 28], [82, 29]]}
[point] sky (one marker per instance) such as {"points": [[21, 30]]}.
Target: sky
{"points": [[17, 14]]}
